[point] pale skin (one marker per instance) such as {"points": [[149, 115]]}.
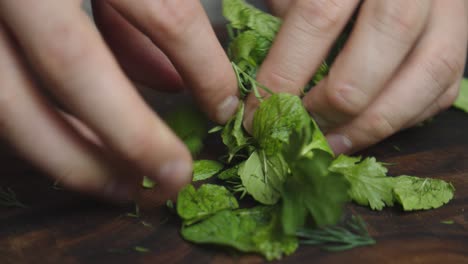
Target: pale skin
{"points": [[401, 65]]}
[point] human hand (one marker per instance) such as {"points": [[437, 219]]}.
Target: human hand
{"points": [[109, 137], [401, 64]]}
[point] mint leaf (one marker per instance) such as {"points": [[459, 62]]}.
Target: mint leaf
{"points": [[195, 205], [415, 193], [370, 185], [275, 119], [233, 134], [462, 100], [190, 125], [247, 230], [204, 169], [263, 176]]}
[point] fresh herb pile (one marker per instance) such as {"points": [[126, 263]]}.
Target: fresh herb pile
{"points": [[286, 166]]}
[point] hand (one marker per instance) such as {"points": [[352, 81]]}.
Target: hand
{"points": [[109, 138], [402, 64]]}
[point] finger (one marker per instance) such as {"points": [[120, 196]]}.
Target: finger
{"points": [[441, 104], [436, 63], [138, 56], [182, 30], [41, 136], [382, 37], [308, 31], [84, 76], [279, 7]]}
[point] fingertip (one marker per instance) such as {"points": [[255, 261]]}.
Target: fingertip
{"points": [[226, 109], [340, 144]]}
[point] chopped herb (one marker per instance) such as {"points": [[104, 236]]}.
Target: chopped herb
{"points": [[351, 234], [136, 214], [8, 198], [148, 183], [141, 249], [447, 222]]}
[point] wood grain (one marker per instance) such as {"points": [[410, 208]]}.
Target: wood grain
{"points": [[64, 227]]}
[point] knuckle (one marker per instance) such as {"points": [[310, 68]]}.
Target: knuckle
{"points": [[347, 99], [397, 19], [443, 66], [137, 145], [171, 18], [278, 80], [379, 126], [65, 47], [320, 16]]}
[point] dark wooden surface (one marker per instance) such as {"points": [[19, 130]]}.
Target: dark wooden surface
{"points": [[60, 226]]}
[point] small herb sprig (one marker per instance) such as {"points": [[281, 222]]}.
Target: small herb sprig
{"points": [[8, 199], [353, 233]]}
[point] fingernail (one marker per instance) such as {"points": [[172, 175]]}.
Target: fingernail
{"points": [[227, 109], [339, 143], [119, 191], [321, 122], [176, 173], [248, 120]]}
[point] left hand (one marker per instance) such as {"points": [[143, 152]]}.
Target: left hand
{"points": [[401, 64]]}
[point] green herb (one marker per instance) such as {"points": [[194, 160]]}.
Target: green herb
{"points": [[196, 205], [415, 193], [147, 183], [338, 238], [234, 136], [462, 100], [136, 214], [229, 174], [205, 169], [447, 222], [264, 176], [397, 148], [370, 185], [146, 224], [248, 230], [141, 249], [8, 199], [190, 125]]}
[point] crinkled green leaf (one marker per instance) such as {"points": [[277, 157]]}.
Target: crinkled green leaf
{"points": [[263, 176], [248, 230], [195, 205], [415, 193], [370, 185], [275, 119], [204, 169], [243, 16], [462, 99]]}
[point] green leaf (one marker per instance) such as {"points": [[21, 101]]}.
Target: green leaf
{"points": [[275, 119], [311, 189], [243, 16], [195, 205], [190, 125], [415, 193], [147, 183], [247, 230], [233, 134], [205, 169], [230, 173], [370, 185], [263, 176], [462, 100]]}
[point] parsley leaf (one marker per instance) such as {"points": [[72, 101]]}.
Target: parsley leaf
{"points": [[370, 185], [204, 169], [147, 183], [462, 100], [195, 205], [415, 193]]}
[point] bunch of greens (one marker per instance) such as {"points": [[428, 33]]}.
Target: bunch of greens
{"points": [[287, 167]]}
